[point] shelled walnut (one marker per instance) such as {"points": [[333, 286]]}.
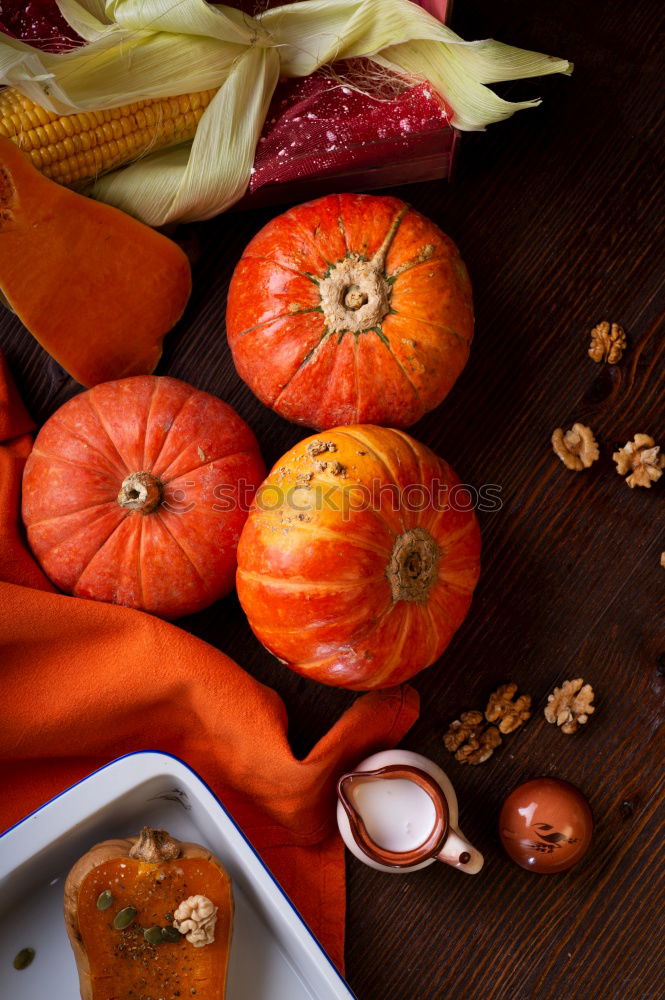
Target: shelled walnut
{"points": [[468, 724], [570, 705], [577, 448], [473, 738], [196, 917], [470, 739], [608, 342], [642, 458], [508, 713]]}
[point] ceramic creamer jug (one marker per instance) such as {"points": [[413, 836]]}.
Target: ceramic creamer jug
{"points": [[398, 812]]}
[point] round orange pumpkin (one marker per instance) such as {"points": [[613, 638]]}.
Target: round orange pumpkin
{"points": [[136, 492], [350, 309], [359, 557]]}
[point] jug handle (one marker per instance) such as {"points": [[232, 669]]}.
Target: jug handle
{"points": [[459, 853]]}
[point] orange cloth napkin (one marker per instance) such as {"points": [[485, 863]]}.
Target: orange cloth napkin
{"points": [[84, 682]]}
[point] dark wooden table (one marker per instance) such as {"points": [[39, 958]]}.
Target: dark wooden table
{"points": [[557, 214]]}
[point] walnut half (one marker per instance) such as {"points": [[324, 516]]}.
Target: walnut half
{"points": [[570, 705], [470, 739], [473, 737], [576, 448], [608, 342], [196, 917], [642, 458], [506, 710]]}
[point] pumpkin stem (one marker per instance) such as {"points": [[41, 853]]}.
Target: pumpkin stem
{"points": [[355, 293], [154, 846], [140, 491], [413, 565]]}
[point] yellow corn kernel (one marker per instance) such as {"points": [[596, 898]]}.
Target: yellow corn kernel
{"points": [[76, 148]]}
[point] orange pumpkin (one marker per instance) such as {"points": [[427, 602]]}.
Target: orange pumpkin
{"points": [[136, 492], [350, 309], [122, 902], [359, 557]]}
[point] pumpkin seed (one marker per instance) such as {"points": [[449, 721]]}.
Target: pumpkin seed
{"points": [[24, 958], [104, 899], [171, 934], [153, 935], [124, 918]]}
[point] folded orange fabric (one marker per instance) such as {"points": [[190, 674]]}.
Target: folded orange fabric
{"points": [[84, 682]]}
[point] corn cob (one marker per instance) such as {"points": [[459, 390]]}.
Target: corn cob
{"points": [[73, 149]]}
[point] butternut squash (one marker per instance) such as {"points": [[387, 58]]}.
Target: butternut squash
{"points": [[96, 288], [149, 917]]}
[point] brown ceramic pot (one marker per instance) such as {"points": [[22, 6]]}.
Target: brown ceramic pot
{"points": [[545, 825]]}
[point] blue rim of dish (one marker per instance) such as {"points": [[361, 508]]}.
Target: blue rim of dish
{"points": [[179, 760]]}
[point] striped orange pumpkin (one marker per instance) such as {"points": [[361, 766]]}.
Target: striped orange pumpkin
{"points": [[359, 557]]}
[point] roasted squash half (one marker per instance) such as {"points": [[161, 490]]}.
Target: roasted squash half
{"points": [[150, 918]]}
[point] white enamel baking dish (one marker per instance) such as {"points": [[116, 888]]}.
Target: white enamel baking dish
{"points": [[273, 954]]}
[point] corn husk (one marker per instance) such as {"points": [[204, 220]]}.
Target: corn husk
{"points": [[141, 49]]}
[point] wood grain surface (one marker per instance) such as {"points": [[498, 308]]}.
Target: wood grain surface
{"points": [[558, 215]]}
